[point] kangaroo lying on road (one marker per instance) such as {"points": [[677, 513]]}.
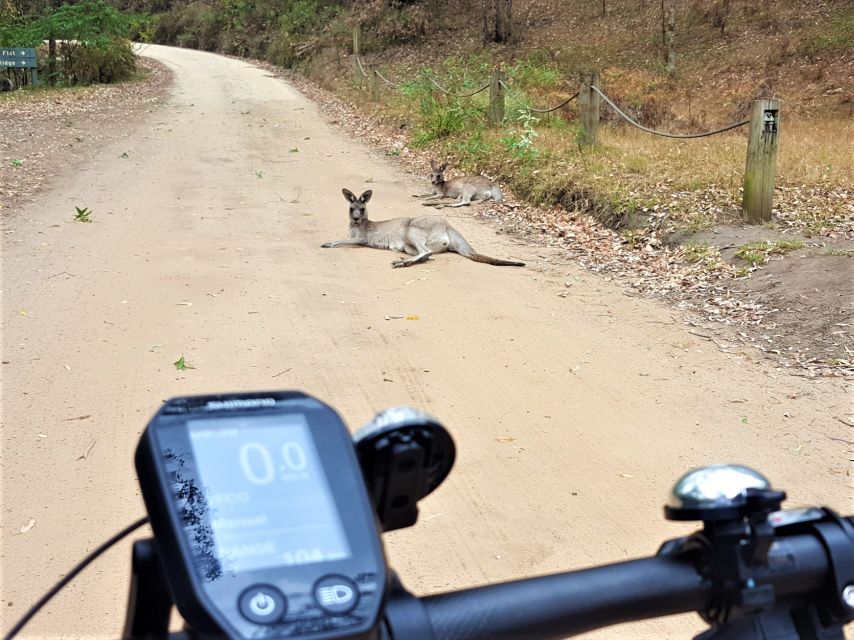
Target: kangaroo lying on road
{"points": [[419, 237], [464, 189]]}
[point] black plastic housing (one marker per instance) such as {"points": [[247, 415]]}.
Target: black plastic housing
{"points": [[213, 612]]}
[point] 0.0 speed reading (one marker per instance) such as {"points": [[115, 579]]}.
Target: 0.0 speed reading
{"points": [[269, 499], [259, 468]]}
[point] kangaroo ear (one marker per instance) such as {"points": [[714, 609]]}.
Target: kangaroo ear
{"points": [[443, 167], [349, 195], [366, 196], [433, 164]]}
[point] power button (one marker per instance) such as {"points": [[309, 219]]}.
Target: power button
{"points": [[262, 604]]}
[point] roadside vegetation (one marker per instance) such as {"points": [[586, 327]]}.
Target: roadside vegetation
{"points": [[77, 44], [725, 55], [663, 213]]}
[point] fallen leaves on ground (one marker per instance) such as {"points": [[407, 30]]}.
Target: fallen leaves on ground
{"points": [[44, 129]]}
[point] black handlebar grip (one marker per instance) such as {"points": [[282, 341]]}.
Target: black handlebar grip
{"points": [[561, 605], [566, 604], [797, 565]]}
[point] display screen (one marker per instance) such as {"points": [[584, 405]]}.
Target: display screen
{"points": [[268, 500]]}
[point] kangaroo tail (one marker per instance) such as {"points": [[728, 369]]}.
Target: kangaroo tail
{"points": [[459, 245], [478, 257]]}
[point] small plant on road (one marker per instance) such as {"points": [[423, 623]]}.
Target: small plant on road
{"points": [[259, 174], [848, 253], [756, 253], [753, 254], [16, 163], [784, 246], [83, 214], [182, 365]]}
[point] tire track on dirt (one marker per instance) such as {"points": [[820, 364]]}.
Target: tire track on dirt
{"points": [[572, 415]]}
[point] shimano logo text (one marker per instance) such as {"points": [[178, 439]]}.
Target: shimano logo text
{"points": [[240, 403]]}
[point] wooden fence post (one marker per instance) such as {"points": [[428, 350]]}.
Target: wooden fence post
{"points": [[373, 82], [589, 102], [761, 171], [357, 51], [496, 98]]}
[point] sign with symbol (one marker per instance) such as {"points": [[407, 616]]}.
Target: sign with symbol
{"points": [[261, 604], [14, 58], [335, 594], [21, 58]]}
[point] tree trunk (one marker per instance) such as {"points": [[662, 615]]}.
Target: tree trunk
{"points": [[504, 20], [51, 60], [497, 20]]}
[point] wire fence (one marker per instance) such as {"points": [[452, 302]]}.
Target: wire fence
{"points": [[560, 106], [665, 134], [361, 68], [762, 137], [510, 89], [504, 85], [531, 109], [457, 95], [393, 85]]}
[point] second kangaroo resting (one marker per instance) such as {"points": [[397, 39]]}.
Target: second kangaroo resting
{"points": [[419, 237], [464, 189]]}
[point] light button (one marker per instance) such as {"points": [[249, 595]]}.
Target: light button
{"points": [[336, 595], [262, 604]]}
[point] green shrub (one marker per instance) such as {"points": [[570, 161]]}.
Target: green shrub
{"points": [[194, 26], [442, 115], [475, 147], [443, 118], [297, 26], [106, 63], [519, 142], [92, 37], [536, 70]]}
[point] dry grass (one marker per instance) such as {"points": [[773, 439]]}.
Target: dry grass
{"points": [[633, 175], [811, 153]]}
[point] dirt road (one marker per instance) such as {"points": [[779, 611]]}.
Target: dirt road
{"points": [[574, 407]]}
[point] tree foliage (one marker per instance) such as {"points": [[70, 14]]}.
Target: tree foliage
{"points": [[92, 37], [279, 32]]}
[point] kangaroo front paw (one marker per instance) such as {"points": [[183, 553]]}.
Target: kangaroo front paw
{"points": [[400, 262], [326, 245]]}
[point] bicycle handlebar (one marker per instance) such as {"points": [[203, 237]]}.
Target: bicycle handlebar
{"points": [[567, 604], [753, 571], [562, 605]]}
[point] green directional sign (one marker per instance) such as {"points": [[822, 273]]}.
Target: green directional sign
{"points": [[23, 63], [18, 58], [13, 52]]}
